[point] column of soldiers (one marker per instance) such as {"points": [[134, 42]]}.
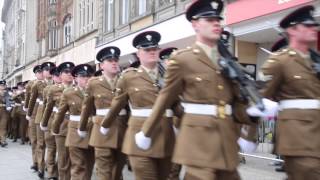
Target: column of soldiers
{"points": [[162, 115]]}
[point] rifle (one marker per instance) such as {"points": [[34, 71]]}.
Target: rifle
{"points": [[234, 71]]}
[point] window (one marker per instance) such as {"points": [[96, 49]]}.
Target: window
{"points": [[53, 35], [124, 11], [140, 7], [86, 15], [52, 2], [164, 3], [108, 15], [67, 30]]}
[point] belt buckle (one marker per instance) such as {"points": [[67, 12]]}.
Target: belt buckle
{"points": [[221, 112]]}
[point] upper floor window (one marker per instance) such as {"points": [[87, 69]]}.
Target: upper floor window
{"points": [[67, 30], [53, 35], [86, 14], [140, 7], [108, 15], [124, 11], [52, 1]]}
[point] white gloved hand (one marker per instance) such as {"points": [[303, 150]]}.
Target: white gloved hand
{"points": [[25, 109], [54, 134], [247, 146], [104, 131], [175, 130], [142, 141], [82, 134], [271, 109], [43, 128], [28, 117], [8, 108]]}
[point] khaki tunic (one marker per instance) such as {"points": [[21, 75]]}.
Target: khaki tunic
{"points": [[290, 76], [71, 100], [204, 140], [99, 95], [136, 87]]}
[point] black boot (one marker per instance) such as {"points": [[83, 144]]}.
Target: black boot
{"points": [[34, 167], [41, 174], [280, 169], [4, 144]]}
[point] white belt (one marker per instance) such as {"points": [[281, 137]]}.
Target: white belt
{"points": [[74, 118], [147, 112], [300, 104], [206, 109], [55, 109], [39, 101], [22, 102], [17, 104], [104, 112]]}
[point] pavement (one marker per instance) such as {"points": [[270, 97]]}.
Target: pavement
{"points": [[15, 162]]}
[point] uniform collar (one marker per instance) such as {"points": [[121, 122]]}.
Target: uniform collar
{"points": [[207, 49]]}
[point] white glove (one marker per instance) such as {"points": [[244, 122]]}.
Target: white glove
{"points": [[43, 128], [271, 109], [104, 131], [8, 108], [54, 134], [28, 117], [82, 134], [25, 109], [142, 141], [247, 146], [175, 130]]}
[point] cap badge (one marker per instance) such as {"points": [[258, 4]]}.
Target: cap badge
{"points": [[214, 5], [112, 51], [85, 68], [149, 37]]}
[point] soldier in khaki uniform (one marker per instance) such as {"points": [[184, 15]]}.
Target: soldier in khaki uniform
{"points": [[20, 115], [37, 98], [50, 142], [53, 101], [4, 115], [32, 126], [207, 141], [15, 121], [81, 155], [99, 93], [293, 82], [140, 88]]}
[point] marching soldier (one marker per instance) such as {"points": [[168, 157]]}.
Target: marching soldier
{"points": [[20, 115], [37, 98], [32, 126], [140, 87], [175, 168], [15, 121], [99, 93], [50, 142], [210, 102], [292, 79], [4, 116], [81, 155], [53, 101]]}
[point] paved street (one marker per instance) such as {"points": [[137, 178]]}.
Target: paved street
{"points": [[15, 161]]}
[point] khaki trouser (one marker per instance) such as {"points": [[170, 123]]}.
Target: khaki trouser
{"points": [[51, 163], [109, 163], [15, 124], [23, 127], [33, 140], [41, 148], [64, 163], [146, 168], [200, 173], [302, 167], [82, 162], [4, 118], [174, 172]]}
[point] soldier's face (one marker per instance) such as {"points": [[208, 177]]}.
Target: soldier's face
{"points": [[46, 74], [56, 79], [303, 33], [82, 81], [2, 87], [39, 75], [66, 77], [208, 29], [110, 66], [150, 55]]}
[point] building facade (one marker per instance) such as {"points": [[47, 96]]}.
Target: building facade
{"points": [[74, 30]]}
